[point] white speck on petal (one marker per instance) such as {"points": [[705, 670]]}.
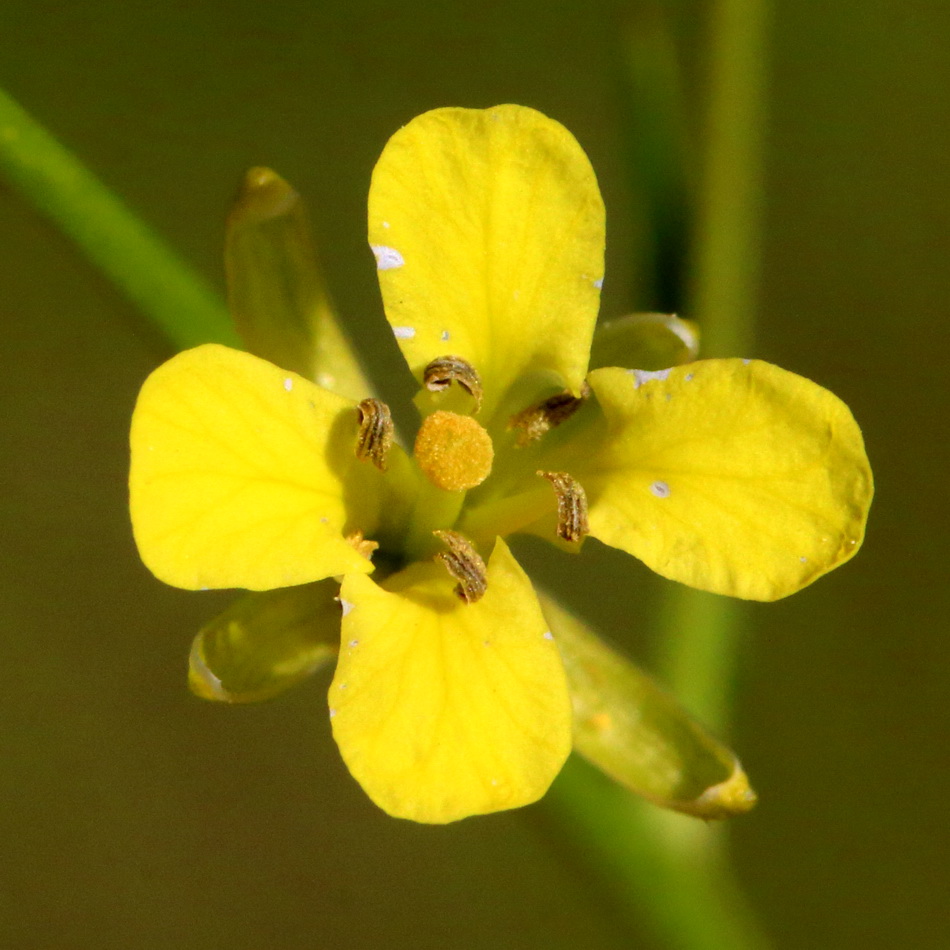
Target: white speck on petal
{"points": [[288, 384], [404, 333], [324, 520], [387, 258], [332, 712], [385, 224], [688, 377], [548, 635], [354, 643], [599, 283], [444, 335], [803, 559], [660, 489], [641, 376], [347, 606], [746, 362], [342, 686]]}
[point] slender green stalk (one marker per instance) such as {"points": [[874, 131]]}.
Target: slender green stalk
{"points": [[672, 869], [175, 297], [699, 630], [654, 867], [726, 234]]}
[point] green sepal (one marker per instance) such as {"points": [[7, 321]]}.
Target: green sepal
{"points": [[266, 642], [649, 341], [276, 290], [638, 734]]}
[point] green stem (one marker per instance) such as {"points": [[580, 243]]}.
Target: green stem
{"points": [[698, 630], [726, 235], [671, 868], [177, 299]]}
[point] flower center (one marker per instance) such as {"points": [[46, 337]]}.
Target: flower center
{"points": [[453, 451]]}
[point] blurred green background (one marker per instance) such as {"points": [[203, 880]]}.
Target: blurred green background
{"points": [[135, 816]]}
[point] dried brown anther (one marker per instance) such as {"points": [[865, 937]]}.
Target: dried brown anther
{"points": [[534, 421], [376, 432], [571, 506], [462, 561], [439, 374]]}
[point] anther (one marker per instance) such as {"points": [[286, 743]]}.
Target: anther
{"points": [[364, 546], [462, 561], [534, 421], [376, 432], [571, 506], [439, 374]]}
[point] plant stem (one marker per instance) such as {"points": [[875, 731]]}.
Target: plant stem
{"points": [[698, 630], [654, 867], [672, 869], [176, 298], [726, 233]]}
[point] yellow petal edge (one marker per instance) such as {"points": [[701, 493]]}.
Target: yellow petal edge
{"points": [[442, 709], [732, 476], [237, 474]]}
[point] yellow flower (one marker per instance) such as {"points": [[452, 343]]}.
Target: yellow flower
{"points": [[449, 697]]}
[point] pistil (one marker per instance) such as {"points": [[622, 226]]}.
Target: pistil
{"points": [[454, 452]]}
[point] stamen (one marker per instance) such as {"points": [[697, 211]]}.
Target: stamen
{"points": [[534, 421], [571, 506], [376, 432], [439, 374], [462, 561], [454, 452], [364, 546]]}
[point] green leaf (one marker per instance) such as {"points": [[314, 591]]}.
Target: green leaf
{"points": [[638, 734], [276, 290], [644, 341], [266, 642]]}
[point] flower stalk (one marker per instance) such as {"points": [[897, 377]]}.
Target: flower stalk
{"points": [[176, 298]]}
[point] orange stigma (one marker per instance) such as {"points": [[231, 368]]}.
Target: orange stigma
{"points": [[453, 451]]}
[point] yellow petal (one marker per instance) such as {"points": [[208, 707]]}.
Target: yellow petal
{"points": [[266, 642], [488, 230], [732, 476], [444, 709], [238, 474]]}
